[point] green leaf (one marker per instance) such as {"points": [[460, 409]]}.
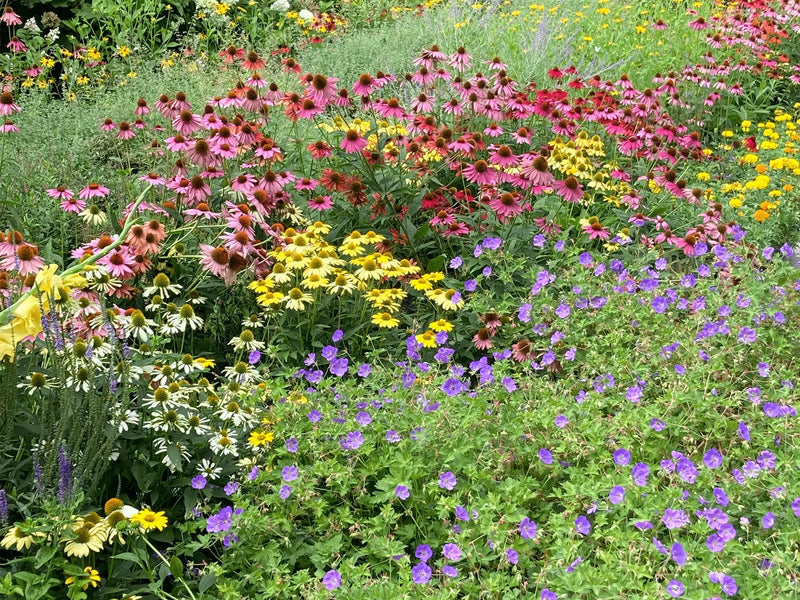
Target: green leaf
{"points": [[176, 567], [206, 582]]}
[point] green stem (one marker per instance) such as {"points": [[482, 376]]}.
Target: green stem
{"points": [[166, 562]]}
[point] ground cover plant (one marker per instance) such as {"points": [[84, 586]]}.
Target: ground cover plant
{"points": [[242, 340]]}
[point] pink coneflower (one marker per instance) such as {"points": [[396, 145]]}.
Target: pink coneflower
{"points": [[422, 103], [309, 109], [596, 231], [224, 135], [390, 108], [7, 105], [180, 103], [443, 217], [522, 350], [461, 145], [455, 229], [140, 264], [460, 60], [699, 24], [365, 85], [274, 95], [198, 190], [25, 260], [240, 222], [506, 206], [141, 108], [569, 189], [201, 154], [660, 25], [10, 17], [33, 71], [243, 183], [217, 260], [202, 210], [186, 123], [423, 77], [482, 339], [306, 184], [125, 131], [178, 184], [255, 81], [480, 173], [536, 171], [522, 135], [60, 193], [119, 263], [17, 45], [322, 89], [153, 179], [320, 203], [271, 183], [453, 107], [162, 105], [353, 142], [687, 244], [503, 157], [497, 65], [72, 205], [93, 190], [178, 143], [290, 65], [252, 62], [493, 130], [239, 242]]}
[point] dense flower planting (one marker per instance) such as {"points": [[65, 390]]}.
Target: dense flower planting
{"points": [[274, 350]]}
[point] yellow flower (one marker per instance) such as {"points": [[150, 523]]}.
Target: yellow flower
{"points": [[385, 320], [735, 203], [427, 339], [147, 519], [92, 577], [260, 438], [124, 51], [19, 539], [88, 538], [703, 176], [441, 325]]}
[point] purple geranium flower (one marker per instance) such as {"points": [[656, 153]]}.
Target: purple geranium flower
{"points": [[423, 552], [527, 529], [622, 456], [582, 525], [617, 494], [421, 573], [675, 518], [401, 492], [452, 552], [512, 556], [199, 482], [712, 459], [675, 588], [332, 579], [285, 491], [289, 473], [447, 480]]}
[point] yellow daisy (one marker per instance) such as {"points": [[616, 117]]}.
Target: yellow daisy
{"points": [[147, 519]]}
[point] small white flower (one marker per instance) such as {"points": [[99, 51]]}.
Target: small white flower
{"points": [[280, 5], [305, 14]]}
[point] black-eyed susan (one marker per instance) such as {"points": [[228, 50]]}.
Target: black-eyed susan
{"points": [[385, 320], [148, 519]]}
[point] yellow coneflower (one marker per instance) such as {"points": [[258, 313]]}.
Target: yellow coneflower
{"points": [[297, 262], [314, 282], [317, 266], [343, 283], [351, 249], [20, 539], [279, 274], [297, 299], [369, 271], [355, 237], [268, 299], [385, 320], [427, 339]]}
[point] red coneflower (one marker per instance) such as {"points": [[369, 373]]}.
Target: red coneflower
{"points": [[319, 149], [252, 61], [231, 53]]}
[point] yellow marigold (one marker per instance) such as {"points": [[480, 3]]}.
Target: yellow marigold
{"points": [[735, 203], [761, 215], [750, 159], [703, 176], [761, 168]]}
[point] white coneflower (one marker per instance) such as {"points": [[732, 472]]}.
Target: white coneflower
{"points": [[156, 303], [128, 373], [80, 380], [162, 286], [223, 444], [99, 280], [296, 299], [195, 298], [164, 446], [92, 215], [208, 469], [138, 326], [253, 321], [242, 373], [197, 425], [186, 364], [246, 341], [184, 318], [166, 420], [36, 382], [160, 399], [123, 420]]}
